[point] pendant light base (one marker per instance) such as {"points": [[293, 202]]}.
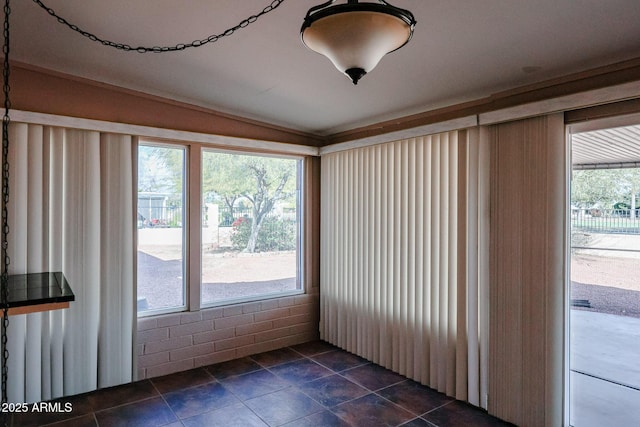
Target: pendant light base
{"points": [[355, 74]]}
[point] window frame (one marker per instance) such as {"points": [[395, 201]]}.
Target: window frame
{"points": [[185, 225], [192, 216]]}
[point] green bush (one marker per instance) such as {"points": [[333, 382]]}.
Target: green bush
{"points": [[276, 234]]}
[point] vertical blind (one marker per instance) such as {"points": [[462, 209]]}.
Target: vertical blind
{"points": [[528, 267], [402, 278], [71, 210]]}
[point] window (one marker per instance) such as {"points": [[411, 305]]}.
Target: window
{"points": [[244, 246], [250, 226], [161, 231]]}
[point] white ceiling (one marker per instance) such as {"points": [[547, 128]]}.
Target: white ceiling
{"points": [[461, 50]]}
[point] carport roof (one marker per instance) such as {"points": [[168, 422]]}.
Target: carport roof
{"points": [[606, 148]]}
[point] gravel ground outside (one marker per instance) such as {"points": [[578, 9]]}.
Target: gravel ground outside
{"points": [[610, 283], [226, 274]]}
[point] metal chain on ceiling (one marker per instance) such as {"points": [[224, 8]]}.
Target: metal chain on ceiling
{"points": [[161, 49], [5, 212]]}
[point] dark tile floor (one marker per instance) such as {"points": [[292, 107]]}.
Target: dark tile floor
{"points": [[313, 384]]}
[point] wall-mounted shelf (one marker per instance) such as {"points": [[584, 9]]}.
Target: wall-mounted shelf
{"points": [[30, 293]]}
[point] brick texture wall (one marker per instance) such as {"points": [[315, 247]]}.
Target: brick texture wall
{"points": [[177, 342]]}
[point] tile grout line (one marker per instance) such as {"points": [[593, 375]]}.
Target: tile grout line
{"points": [[289, 385], [93, 414], [374, 392], [213, 379], [267, 369], [217, 381], [367, 362], [166, 403], [297, 388]]}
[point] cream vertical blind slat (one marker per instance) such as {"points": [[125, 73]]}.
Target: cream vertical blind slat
{"points": [[370, 276], [410, 293], [385, 255], [483, 251], [54, 138], [348, 255], [378, 307], [428, 267], [453, 350], [17, 249], [81, 255], [461, 201], [359, 248], [392, 287], [434, 287], [472, 292], [351, 217], [419, 314], [36, 258], [355, 251], [117, 249], [397, 261]]}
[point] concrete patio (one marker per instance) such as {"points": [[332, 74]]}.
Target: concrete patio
{"points": [[605, 370]]}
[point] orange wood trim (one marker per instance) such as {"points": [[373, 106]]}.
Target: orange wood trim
{"points": [[312, 224], [615, 109], [14, 311], [44, 91]]}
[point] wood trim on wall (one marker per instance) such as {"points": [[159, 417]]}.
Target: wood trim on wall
{"points": [[616, 109], [311, 262]]}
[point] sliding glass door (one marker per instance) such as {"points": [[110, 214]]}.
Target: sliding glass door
{"points": [[604, 319]]}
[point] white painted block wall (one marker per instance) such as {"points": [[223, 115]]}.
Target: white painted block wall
{"points": [[181, 341]]}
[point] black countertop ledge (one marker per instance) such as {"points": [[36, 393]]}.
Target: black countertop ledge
{"points": [[38, 288]]}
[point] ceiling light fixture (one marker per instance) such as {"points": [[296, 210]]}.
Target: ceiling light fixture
{"points": [[355, 36]]}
